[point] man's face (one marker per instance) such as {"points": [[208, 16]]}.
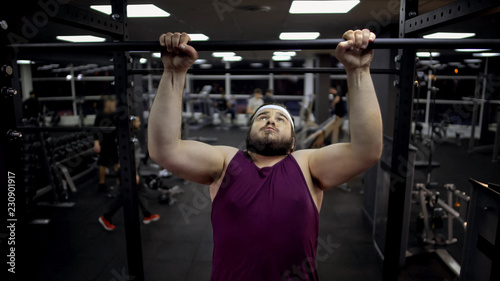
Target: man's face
{"points": [[270, 134], [257, 95]]}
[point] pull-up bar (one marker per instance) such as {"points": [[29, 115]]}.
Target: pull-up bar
{"points": [[319, 44]]}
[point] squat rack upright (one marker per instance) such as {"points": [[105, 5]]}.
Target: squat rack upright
{"points": [[410, 23]]}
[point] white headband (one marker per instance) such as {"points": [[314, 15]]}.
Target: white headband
{"points": [[277, 107]]}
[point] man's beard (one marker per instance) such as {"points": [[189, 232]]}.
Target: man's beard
{"points": [[269, 147]]}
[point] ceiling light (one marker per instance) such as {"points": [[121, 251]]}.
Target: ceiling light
{"points": [[449, 35], [200, 61], [205, 66], [79, 77], [288, 53], [69, 77], [299, 35], [282, 58], [428, 54], [473, 60], [223, 54], [135, 10], [485, 55], [143, 60], [232, 58], [198, 37], [24, 62], [455, 63], [256, 64], [285, 64], [156, 55], [81, 38], [472, 50], [427, 62], [322, 7]]}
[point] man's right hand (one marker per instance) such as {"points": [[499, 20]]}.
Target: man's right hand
{"points": [[178, 56]]}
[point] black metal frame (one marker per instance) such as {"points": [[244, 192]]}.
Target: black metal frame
{"points": [[128, 184], [411, 23]]}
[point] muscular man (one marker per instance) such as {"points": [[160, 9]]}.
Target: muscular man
{"points": [[266, 200]]}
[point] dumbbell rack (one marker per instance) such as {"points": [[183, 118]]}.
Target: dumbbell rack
{"points": [[70, 157]]}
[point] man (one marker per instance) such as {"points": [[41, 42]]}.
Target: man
{"points": [[266, 200], [105, 141], [268, 97], [255, 101], [32, 107], [116, 204]]}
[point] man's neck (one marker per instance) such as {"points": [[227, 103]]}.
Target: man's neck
{"points": [[265, 161]]}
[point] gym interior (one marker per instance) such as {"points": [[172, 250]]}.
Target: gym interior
{"points": [[428, 210]]}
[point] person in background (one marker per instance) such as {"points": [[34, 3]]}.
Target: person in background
{"points": [[31, 106], [105, 219], [268, 97], [105, 141], [339, 109], [255, 102], [223, 105]]}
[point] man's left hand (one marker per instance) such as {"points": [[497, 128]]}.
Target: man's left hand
{"points": [[353, 53]]}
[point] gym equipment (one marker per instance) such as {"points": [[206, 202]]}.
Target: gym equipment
{"points": [[482, 239], [319, 44]]}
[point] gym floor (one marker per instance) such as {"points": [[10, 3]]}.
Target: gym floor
{"points": [[73, 246]]}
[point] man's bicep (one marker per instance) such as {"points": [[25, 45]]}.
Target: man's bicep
{"points": [[335, 164], [194, 161]]}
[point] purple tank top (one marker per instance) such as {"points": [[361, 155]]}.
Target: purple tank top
{"points": [[265, 223]]}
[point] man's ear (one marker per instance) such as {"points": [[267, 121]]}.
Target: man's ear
{"points": [[293, 145]]}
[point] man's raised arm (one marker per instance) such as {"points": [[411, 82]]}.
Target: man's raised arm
{"points": [[337, 163], [190, 160]]}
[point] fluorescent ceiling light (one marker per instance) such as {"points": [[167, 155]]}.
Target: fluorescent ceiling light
{"points": [[232, 58], [299, 35], [449, 35], [200, 61], [205, 66], [156, 55], [282, 58], [289, 53], [455, 63], [485, 55], [81, 38], [256, 64], [135, 10], [472, 50], [428, 54], [24, 62], [143, 60], [322, 7], [285, 64], [198, 37], [69, 77], [223, 54], [427, 62], [473, 60]]}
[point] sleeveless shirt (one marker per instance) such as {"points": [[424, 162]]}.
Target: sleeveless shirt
{"points": [[265, 223]]}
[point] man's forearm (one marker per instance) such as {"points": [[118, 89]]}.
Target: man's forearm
{"points": [[164, 128], [364, 112]]}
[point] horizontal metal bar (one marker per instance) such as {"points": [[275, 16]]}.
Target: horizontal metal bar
{"points": [[319, 44], [419, 101], [64, 129], [297, 70], [238, 96]]}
